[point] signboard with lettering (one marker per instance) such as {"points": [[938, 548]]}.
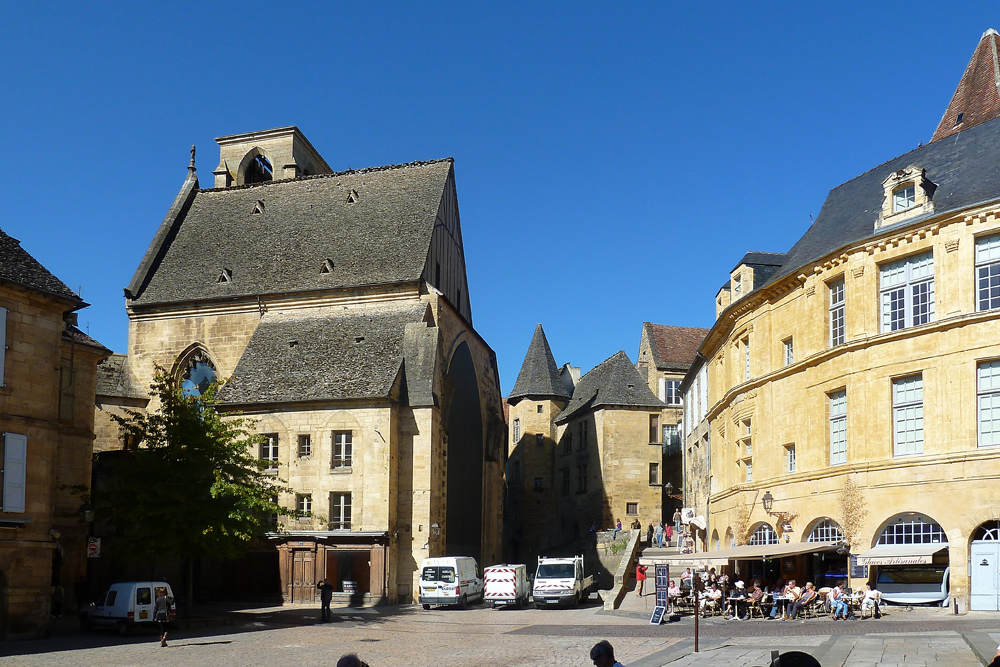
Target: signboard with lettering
{"points": [[857, 571], [657, 617], [93, 547], [895, 560]]}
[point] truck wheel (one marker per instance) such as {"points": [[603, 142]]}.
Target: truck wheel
{"points": [[426, 607], [123, 628]]}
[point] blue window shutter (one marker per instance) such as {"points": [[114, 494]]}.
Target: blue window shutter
{"points": [[15, 468]]}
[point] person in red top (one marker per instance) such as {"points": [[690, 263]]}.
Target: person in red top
{"points": [[640, 578]]}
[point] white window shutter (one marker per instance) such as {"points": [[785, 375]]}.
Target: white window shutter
{"points": [[3, 342], [663, 389], [15, 468]]}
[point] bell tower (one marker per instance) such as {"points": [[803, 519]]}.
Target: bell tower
{"points": [[257, 157]]}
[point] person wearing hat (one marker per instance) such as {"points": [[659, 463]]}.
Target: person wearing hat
{"points": [[737, 601]]}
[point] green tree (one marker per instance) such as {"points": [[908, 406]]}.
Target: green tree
{"points": [[189, 483]]}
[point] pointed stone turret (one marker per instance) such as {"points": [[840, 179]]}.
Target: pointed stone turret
{"points": [[539, 376], [977, 98]]}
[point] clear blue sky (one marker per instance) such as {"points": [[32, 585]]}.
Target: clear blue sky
{"points": [[613, 164]]}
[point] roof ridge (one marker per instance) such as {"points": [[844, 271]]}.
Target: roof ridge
{"points": [[346, 172]]}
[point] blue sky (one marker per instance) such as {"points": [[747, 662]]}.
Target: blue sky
{"points": [[613, 163]]}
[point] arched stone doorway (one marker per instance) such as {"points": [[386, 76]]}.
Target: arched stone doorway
{"points": [[984, 567], [463, 425]]}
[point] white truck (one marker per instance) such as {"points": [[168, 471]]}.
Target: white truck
{"points": [[506, 585], [560, 581]]}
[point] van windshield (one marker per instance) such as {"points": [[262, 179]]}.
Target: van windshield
{"points": [[445, 574], [555, 571]]}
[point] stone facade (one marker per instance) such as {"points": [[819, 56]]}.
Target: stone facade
{"points": [[46, 407], [865, 356], [340, 320]]}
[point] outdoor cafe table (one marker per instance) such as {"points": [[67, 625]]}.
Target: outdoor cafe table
{"points": [[736, 603]]}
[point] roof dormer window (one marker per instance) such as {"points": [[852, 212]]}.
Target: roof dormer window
{"points": [[903, 198], [907, 193]]}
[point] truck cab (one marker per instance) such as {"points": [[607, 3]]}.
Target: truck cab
{"points": [[560, 581]]}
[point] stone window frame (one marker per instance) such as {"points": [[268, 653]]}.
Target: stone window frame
{"points": [[672, 392], [763, 534], [987, 261], [303, 505], [581, 478], [908, 434], [14, 475], [900, 181], [988, 403], [837, 289], [654, 474], [517, 431], [269, 451], [654, 429], [632, 509], [837, 402], [344, 447], [907, 292], [788, 349], [565, 481], [304, 448], [340, 510], [790, 463]]}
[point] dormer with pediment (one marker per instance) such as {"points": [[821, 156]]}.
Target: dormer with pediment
{"points": [[257, 157], [907, 193]]}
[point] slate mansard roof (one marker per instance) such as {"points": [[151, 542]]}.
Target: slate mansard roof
{"points": [[539, 375], [965, 168], [374, 225], [612, 383], [674, 348], [19, 267], [330, 356]]}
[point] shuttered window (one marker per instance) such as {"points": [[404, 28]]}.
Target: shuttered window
{"points": [[15, 460]]}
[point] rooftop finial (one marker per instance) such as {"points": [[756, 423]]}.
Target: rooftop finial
{"points": [[191, 166]]}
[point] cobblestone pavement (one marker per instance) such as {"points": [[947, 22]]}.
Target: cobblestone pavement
{"points": [[483, 637]]}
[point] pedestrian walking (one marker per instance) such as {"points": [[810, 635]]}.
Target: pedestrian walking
{"points": [[325, 596], [163, 609], [603, 655], [668, 532], [649, 535], [677, 521], [659, 535]]}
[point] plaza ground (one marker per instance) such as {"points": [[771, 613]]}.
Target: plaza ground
{"points": [[479, 636]]}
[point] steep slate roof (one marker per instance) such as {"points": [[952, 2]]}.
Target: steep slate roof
{"points": [[613, 382], [977, 97], [115, 378], [674, 348], [964, 167], [305, 357], [20, 268], [539, 375], [383, 237]]}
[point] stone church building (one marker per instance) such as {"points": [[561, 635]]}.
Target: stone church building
{"points": [[335, 305]]}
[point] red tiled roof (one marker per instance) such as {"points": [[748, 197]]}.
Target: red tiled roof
{"points": [[977, 97], [674, 346]]}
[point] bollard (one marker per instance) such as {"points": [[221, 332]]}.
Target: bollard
{"points": [[954, 605]]}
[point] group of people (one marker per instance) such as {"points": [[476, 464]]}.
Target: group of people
{"points": [[659, 533]]}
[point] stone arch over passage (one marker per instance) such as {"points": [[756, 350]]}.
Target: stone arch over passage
{"points": [[463, 425]]}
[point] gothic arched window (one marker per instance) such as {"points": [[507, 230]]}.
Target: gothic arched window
{"points": [[196, 373]]}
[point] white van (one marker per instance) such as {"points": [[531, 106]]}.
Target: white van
{"points": [[450, 580], [506, 585], [125, 605]]}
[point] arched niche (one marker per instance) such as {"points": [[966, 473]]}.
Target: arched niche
{"points": [[255, 167]]}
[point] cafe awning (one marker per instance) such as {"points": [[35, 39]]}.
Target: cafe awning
{"points": [[747, 552], [901, 554]]}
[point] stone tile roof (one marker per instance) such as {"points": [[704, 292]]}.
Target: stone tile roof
{"points": [[115, 378], [20, 268], [674, 348], [977, 98], [964, 169], [612, 383], [539, 375], [322, 356], [374, 226]]}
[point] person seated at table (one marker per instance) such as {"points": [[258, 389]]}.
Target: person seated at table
{"points": [[686, 578], [711, 600], [736, 602], [783, 597], [808, 595], [838, 601], [673, 591], [871, 601], [756, 596]]}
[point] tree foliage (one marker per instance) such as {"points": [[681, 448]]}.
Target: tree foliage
{"points": [[853, 512], [189, 483]]}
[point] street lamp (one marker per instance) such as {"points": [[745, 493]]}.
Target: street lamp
{"points": [[768, 501], [668, 487]]}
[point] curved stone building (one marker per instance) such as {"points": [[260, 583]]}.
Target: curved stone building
{"points": [[851, 423]]}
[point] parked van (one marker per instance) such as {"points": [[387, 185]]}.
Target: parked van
{"points": [[450, 580], [125, 605], [506, 585]]}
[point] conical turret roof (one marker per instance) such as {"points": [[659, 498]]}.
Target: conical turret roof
{"points": [[977, 98], [539, 375]]}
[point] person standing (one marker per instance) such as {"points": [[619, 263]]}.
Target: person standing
{"points": [[603, 655], [325, 596], [668, 532], [163, 608], [659, 535], [677, 521], [649, 535], [640, 578]]}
